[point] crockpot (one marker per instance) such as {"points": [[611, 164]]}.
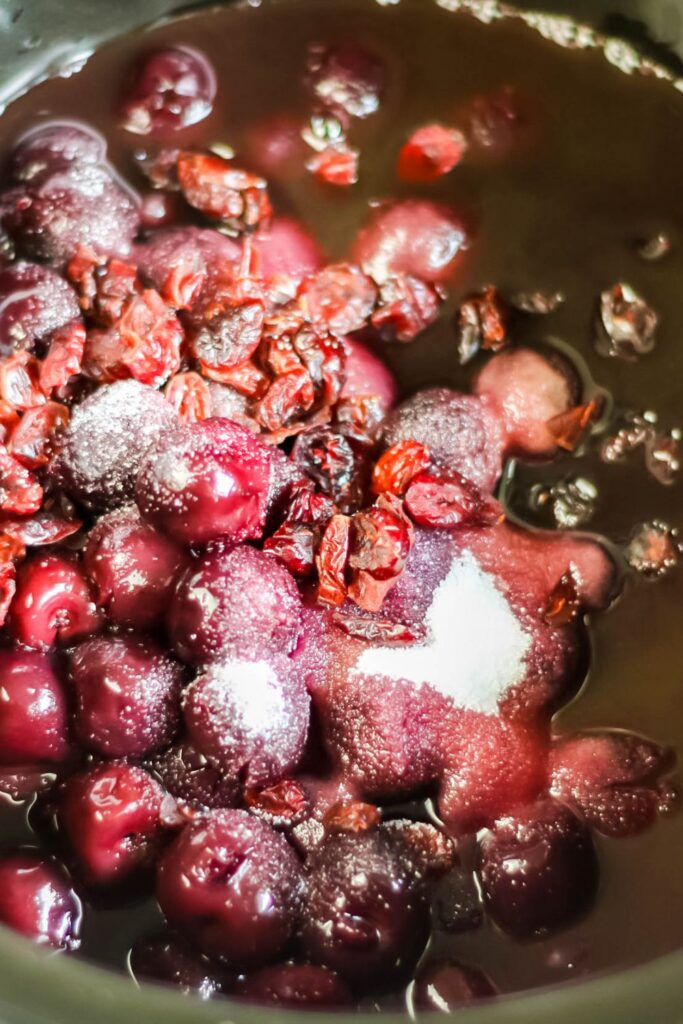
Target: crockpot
{"points": [[37, 38]]}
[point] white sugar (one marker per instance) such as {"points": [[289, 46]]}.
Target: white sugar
{"points": [[476, 645]]}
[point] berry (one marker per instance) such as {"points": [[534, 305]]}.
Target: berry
{"points": [[206, 481], [346, 78], [219, 189], [106, 440], [192, 778], [367, 375], [538, 869], [430, 153], [53, 603], [36, 900], [233, 884], [112, 817], [133, 568], [127, 696], [365, 914], [175, 88], [286, 249], [250, 718], [33, 710], [299, 986], [35, 301], [209, 616], [339, 298], [167, 958]]}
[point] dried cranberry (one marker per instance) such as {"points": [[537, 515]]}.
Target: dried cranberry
{"points": [[283, 805], [175, 88], [189, 395], [104, 286], [379, 631], [335, 165], [406, 307], [47, 526], [382, 538], [20, 381], [354, 816], [32, 441], [289, 396], [308, 506], [431, 152], [331, 561], [246, 379], [482, 323], [450, 500], [327, 458], [20, 492], [339, 298], [564, 601], [219, 189], [569, 428], [9, 418], [359, 419], [398, 466], [63, 358], [295, 544], [228, 322]]}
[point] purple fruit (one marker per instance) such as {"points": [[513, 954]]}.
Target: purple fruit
{"points": [[251, 718], [175, 88], [299, 986], [190, 777], [53, 603], [236, 604], [127, 696], [33, 711], [34, 302], [170, 959], [233, 884], [36, 899]]}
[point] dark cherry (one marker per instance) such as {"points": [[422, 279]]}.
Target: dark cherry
{"points": [[538, 869], [206, 481], [34, 302], [37, 900], [251, 718], [53, 603], [112, 816], [232, 884], [365, 913], [192, 778], [446, 985], [133, 568], [106, 441], [346, 78], [175, 88], [299, 986], [209, 616], [127, 696], [54, 145], [170, 959], [33, 709]]}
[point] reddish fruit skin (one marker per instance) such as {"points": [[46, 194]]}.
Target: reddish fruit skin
{"points": [[431, 152], [296, 986], [53, 603], [33, 711], [133, 568], [175, 88], [209, 617], [206, 481], [446, 985], [367, 375], [365, 914], [233, 884], [111, 816], [168, 958], [127, 696], [36, 900], [35, 302], [538, 869], [193, 779]]}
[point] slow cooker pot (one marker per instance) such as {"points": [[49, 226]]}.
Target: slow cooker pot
{"points": [[37, 37]]}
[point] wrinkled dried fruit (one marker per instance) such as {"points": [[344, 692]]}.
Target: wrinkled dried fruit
{"points": [[569, 427], [564, 603], [381, 631], [246, 378], [20, 492], [537, 303], [331, 561], [430, 153], [43, 527], [335, 165], [327, 458], [448, 501], [359, 418], [628, 325], [399, 465], [189, 395], [282, 805], [354, 816], [63, 359], [294, 544], [654, 549], [339, 298], [20, 381], [382, 538], [406, 307], [219, 189], [32, 441], [482, 324]]}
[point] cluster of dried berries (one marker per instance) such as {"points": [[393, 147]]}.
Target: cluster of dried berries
{"points": [[627, 324], [661, 448]]}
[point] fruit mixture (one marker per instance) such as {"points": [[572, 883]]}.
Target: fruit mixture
{"points": [[273, 648]]}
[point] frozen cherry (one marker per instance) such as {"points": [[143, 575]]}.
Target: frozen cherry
{"points": [[127, 696], [175, 88], [447, 985], [250, 718], [346, 78], [37, 900], [168, 958], [133, 568], [299, 986], [192, 778], [233, 885], [240, 602], [415, 237], [33, 711], [538, 869], [365, 913], [34, 302], [367, 375], [53, 145], [112, 818], [206, 481], [106, 440], [53, 603]]}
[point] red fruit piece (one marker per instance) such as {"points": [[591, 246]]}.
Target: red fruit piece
{"points": [[249, 717], [228, 320], [175, 88], [614, 779], [446, 985], [433, 852], [336, 165], [569, 428], [126, 696], [63, 359], [482, 324], [192, 779], [190, 396], [448, 501], [381, 539], [53, 603], [327, 458], [112, 816], [144, 344], [282, 805], [20, 381], [219, 189], [354, 817], [178, 262], [37, 900], [206, 481], [414, 237], [331, 561], [9, 418], [43, 527], [430, 153], [294, 545], [367, 376], [380, 631], [35, 302], [104, 286], [233, 884], [33, 715], [564, 603], [339, 298], [406, 307], [20, 492], [297, 986], [346, 78], [400, 464], [287, 250], [32, 441]]}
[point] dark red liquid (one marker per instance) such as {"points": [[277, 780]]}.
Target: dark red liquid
{"points": [[599, 169]]}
